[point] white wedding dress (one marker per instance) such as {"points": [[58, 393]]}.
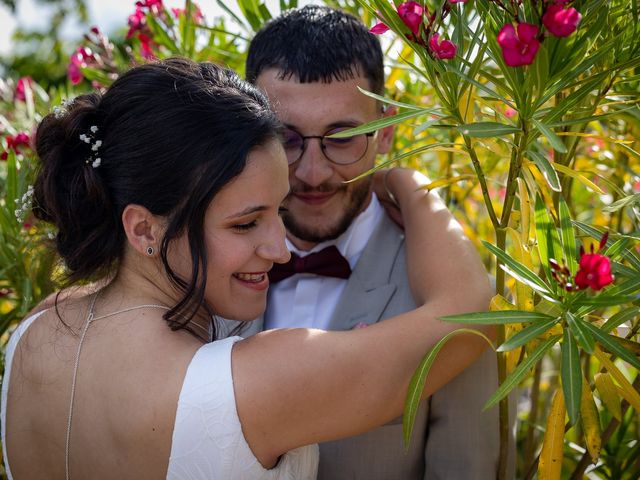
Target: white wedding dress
{"points": [[207, 439]]}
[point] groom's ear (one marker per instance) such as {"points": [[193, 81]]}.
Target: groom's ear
{"points": [[142, 228], [385, 135]]}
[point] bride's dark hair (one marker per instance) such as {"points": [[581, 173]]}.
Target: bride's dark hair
{"points": [[172, 134]]}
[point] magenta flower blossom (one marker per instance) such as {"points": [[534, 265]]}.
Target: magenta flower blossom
{"points": [[443, 50], [561, 21], [22, 85], [81, 58], [136, 21], [594, 271], [146, 46], [379, 28], [14, 143], [457, 1], [411, 14], [519, 47]]}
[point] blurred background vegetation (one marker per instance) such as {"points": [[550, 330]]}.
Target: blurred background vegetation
{"points": [[535, 161]]}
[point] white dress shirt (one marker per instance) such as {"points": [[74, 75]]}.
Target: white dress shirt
{"points": [[307, 300]]}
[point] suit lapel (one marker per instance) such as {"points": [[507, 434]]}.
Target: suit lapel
{"points": [[368, 289]]}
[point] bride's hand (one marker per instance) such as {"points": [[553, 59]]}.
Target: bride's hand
{"points": [[391, 183]]}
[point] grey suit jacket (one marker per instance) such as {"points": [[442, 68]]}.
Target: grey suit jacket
{"points": [[452, 438]]}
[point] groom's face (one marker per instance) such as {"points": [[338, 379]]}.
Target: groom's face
{"points": [[321, 205]]}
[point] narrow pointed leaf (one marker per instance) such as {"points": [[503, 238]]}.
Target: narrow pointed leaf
{"points": [[612, 346], [609, 394], [487, 129], [416, 386], [546, 169], [585, 339], [571, 376], [378, 124], [527, 334], [521, 371], [568, 237], [550, 464], [516, 268], [620, 318], [590, 422], [554, 140], [627, 391], [548, 240], [497, 317]]}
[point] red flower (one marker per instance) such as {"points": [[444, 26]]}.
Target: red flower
{"points": [[82, 58], [519, 47], [21, 87], [150, 3], [443, 50], [594, 271], [411, 14], [136, 21], [379, 28], [561, 21], [197, 13], [146, 45], [14, 143]]}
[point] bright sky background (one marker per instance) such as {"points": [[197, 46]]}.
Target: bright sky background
{"points": [[108, 15]]}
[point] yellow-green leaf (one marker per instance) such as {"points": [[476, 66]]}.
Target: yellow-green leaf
{"points": [[609, 394], [590, 422], [550, 465]]}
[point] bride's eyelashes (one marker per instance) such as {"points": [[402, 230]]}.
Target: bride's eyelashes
{"points": [[243, 227], [282, 211]]}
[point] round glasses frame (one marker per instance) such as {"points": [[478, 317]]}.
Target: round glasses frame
{"points": [[326, 149]]}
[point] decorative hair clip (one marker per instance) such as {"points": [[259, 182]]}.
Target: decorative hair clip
{"points": [[24, 204], [90, 139], [62, 109]]}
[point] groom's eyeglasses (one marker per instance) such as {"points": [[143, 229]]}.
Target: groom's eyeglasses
{"points": [[341, 151]]}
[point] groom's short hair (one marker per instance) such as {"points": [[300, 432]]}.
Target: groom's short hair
{"points": [[317, 43]]}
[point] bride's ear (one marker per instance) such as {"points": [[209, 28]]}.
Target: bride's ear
{"points": [[143, 229]]}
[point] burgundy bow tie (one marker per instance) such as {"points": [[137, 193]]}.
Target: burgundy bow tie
{"points": [[328, 262]]}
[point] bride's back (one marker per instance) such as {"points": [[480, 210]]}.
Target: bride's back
{"points": [[127, 389]]}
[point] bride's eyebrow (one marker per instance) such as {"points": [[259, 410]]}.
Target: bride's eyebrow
{"points": [[247, 211]]}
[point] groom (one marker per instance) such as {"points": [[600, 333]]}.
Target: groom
{"points": [[310, 62]]}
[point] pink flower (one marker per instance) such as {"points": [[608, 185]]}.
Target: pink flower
{"points": [[518, 48], [81, 58], [136, 21], [411, 14], [14, 143], [561, 21], [146, 45], [595, 269], [443, 50], [150, 3], [196, 16], [21, 87], [457, 1], [509, 112], [379, 28]]}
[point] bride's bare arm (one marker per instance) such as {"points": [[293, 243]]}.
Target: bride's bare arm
{"points": [[299, 386]]}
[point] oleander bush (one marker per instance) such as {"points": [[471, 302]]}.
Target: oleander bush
{"points": [[524, 113]]}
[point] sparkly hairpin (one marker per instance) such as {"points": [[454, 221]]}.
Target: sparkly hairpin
{"points": [[24, 203], [62, 109], [90, 139]]}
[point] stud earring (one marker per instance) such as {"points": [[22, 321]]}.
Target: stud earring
{"points": [[150, 251]]}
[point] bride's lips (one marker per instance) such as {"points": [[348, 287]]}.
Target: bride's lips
{"points": [[314, 198], [254, 280]]}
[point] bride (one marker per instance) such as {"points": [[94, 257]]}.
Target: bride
{"points": [[167, 190]]}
